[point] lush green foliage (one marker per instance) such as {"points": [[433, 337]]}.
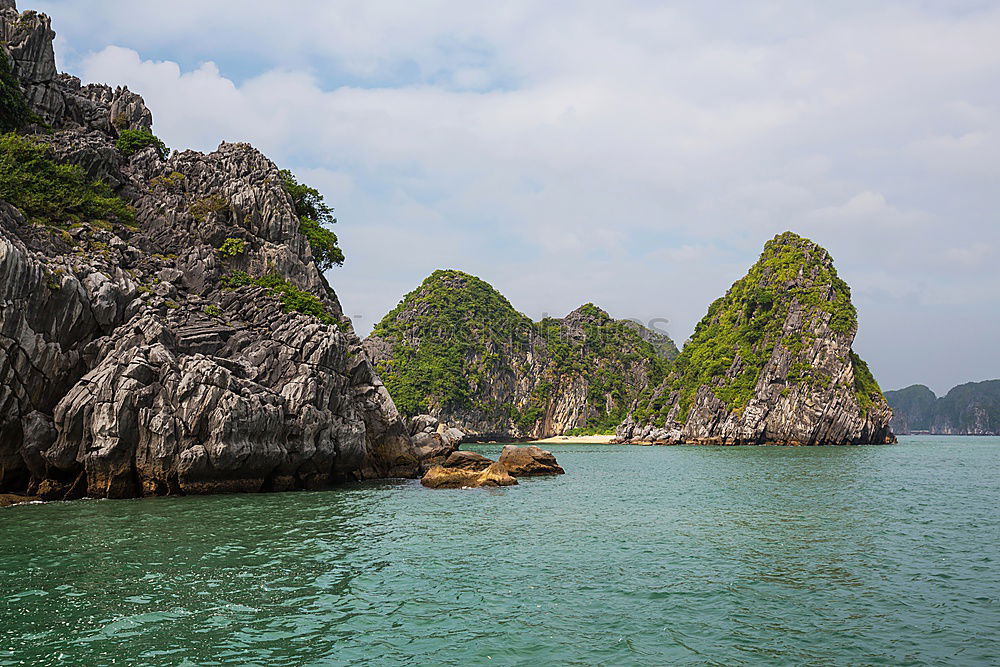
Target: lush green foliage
{"points": [[457, 341], [130, 142], [14, 112], [292, 298], [451, 320], [323, 243], [213, 311], [603, 354], [233, 247], [735, 339], [50, 193], [313, 215], [865, 387]]}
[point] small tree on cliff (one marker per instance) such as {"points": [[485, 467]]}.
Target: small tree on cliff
{"points": [[313, 215]]}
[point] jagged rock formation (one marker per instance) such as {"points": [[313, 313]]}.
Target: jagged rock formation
{"points": [[968, 409], [467, 461], [771, 362], [127, 366], [456, 349]]}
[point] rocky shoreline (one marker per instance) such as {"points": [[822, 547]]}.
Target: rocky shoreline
{"points": [[191, 346]]}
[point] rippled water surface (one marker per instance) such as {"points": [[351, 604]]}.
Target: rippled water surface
{"points": [[639, 555]]}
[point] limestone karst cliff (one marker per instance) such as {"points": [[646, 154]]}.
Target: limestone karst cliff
{"points": [[972, 408], [172, 333], [457, 349], [771, 362]]}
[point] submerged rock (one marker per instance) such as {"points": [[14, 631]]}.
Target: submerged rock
{"points": [[440, 477], [529, 461]]}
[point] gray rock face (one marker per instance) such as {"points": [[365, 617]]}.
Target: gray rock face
{"points": [[127, 368], [433, 440], [59, 99]]}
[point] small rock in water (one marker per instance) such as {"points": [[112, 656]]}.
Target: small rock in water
{"points": [[440, 477], [528, 461]]}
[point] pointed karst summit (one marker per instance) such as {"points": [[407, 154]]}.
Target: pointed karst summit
{"points": [[771, 362], [455, 348], [164, 323]]}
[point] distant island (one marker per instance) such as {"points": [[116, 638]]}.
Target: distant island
{"points": [[972, 408], [771, 363], [455, 348]]}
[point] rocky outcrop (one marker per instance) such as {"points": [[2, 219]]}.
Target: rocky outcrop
{"points": [[60, 100], [472, 470], [456, 348], [433, 440], [129, 366], [529, 461], [440, 477], [771, 363], [972, 408]]}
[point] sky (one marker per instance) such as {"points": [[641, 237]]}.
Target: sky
{"points": [[633, 154]]}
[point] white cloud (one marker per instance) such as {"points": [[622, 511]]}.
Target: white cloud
{"points": [[632, 155]]}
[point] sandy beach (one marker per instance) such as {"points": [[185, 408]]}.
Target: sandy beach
{"points": [[576, 439]]}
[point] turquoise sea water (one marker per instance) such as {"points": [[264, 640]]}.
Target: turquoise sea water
{"points": [[639, 555]]}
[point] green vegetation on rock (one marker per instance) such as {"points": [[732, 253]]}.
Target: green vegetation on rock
{"points": [[313, 215], [456, 346], [738, 335], [593, 345], [130, 142], [448, 332], [233, 247], [50, 193], [865, 387], [14, 112], [204, 207], [293, 299]]}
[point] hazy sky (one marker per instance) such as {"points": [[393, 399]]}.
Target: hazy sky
{"points": [[633, 154]]}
